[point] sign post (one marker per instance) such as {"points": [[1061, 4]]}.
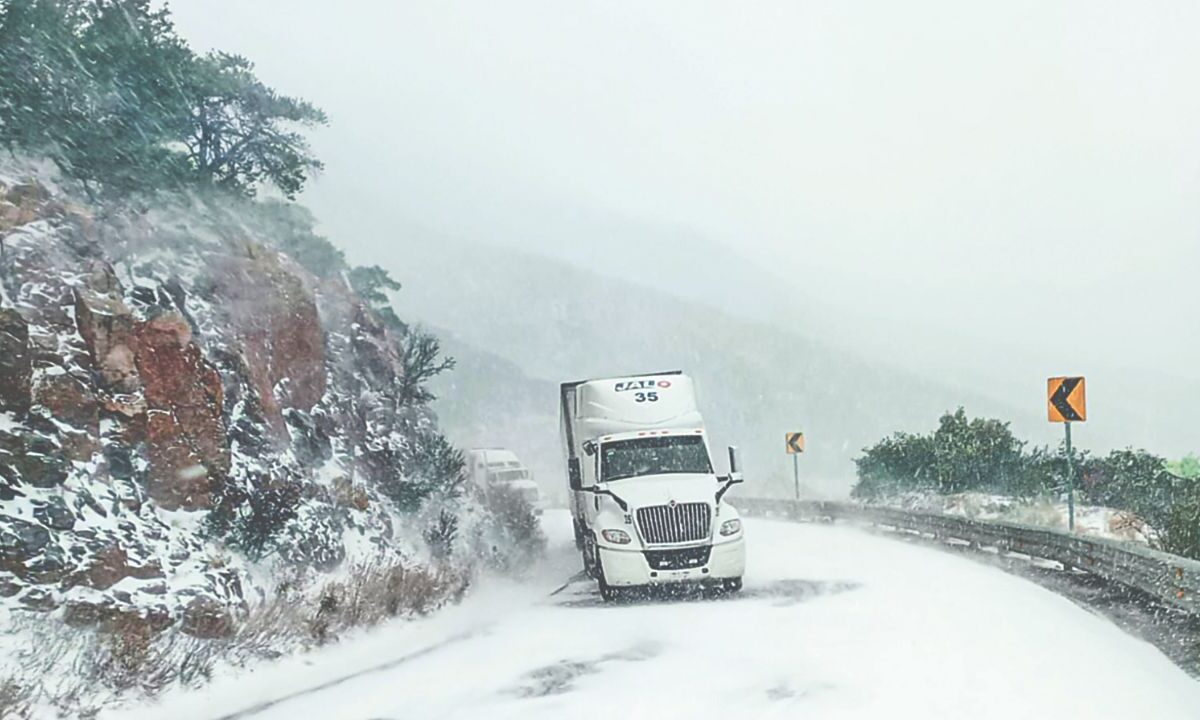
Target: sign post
{"points": [[796, 472], [795, 446], [1070, 480], [1066, 402]]}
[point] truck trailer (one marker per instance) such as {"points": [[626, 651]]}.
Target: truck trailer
{"points": [[647, 506]]}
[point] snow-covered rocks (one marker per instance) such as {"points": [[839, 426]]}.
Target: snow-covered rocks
{"points": [[183, 409]]}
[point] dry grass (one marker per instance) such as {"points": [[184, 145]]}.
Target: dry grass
{"points": [[79, 671], [376, 592]]}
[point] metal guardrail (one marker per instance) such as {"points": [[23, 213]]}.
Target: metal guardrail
{"points": [[1172, 579]]}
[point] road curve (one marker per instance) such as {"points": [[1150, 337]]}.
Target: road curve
{"points": [[833, 623]]}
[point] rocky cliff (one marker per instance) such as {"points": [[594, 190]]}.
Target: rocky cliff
{"points": [[185, 409]]}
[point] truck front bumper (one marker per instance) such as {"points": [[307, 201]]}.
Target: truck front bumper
{"points": [[698, 564]]}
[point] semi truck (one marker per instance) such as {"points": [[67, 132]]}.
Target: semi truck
{"points": [[499, 469], [647, 507]]}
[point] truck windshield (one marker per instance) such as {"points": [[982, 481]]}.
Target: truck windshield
{"points": [[653, 456], [505, 476]]}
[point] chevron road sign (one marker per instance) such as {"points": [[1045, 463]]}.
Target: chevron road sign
{"points": [[1065, 399], [795, 442], [1066, 404]]}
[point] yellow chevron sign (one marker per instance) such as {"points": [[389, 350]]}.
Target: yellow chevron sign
{"points": [[1065, 400], [795, 442]]}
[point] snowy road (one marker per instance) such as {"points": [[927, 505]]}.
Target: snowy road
{"points": [[834, 623]]}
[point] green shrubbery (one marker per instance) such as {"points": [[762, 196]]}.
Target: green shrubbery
{"points": [[117, 100], [1186, 467], [983, 455], [962, 454]]}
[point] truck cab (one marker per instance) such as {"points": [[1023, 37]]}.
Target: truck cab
{"points": [[647, 505], [499, 469]]}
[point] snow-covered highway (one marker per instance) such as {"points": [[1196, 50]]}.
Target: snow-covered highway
{"points": [[833, 623]]}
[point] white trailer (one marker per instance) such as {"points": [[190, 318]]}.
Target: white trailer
{"points": [[646, 504]]}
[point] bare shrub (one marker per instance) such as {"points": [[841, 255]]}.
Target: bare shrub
{"points": [[425, 590], [271, 628], [329, 603], [127, 640], [15, 698], [191, 661], [33, 672], [79, 671], [377, 591]]}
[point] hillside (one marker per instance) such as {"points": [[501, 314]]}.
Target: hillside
{"points": [[205, 439], [216, 444]]}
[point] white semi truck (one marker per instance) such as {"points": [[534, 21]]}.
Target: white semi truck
{"points": [[646, 504], [498, 469]]}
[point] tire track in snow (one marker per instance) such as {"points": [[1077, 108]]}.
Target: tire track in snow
{"points": [[424, 652], [268, 704]]}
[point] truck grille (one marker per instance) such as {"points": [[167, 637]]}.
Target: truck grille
{"points": [[685, 522]]}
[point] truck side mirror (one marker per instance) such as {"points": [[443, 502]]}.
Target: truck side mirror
{"points": [[574, 474], [735, 465]]}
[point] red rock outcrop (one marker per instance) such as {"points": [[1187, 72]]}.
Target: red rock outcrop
{"points": [[207, 619], [111, 565], [185, 433], [71, 402], [282, 340], [280, 417]]}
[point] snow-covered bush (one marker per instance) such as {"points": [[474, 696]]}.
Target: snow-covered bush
{"points": [[961, 454], [511, 538], [1141, 482], [983, 457]]}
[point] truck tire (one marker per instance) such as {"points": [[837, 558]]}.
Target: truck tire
{"points": [[733, 584], [591, 556], [595, 569], [578, 535], [608, 593]]}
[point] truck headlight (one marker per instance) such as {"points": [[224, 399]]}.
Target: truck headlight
{"points": [[731, 527], [617, 537]]}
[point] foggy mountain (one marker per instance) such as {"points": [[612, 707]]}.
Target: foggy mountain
{"points": [[1137, 403], [849, 166], [545, 321], [670, 257]]}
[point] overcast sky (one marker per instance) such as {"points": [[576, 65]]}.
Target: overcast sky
{"points": [[1016, 176]]}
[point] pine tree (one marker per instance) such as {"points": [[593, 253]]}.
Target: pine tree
{"points": [[242, 133], [110, 92]]}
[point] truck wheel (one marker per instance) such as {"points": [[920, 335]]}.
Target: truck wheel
{"points": [[608, 593], [733, 584], [595, 569], [590, 556]]}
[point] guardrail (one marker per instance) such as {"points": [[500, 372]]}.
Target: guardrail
{"points": [[1172, 579]]}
